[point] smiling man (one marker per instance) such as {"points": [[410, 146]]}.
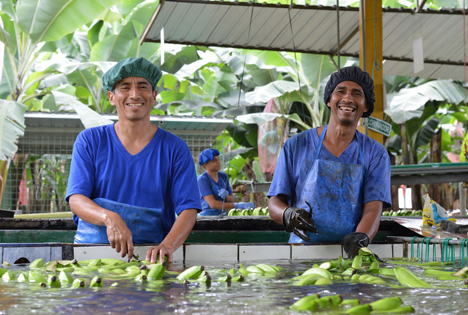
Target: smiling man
{"points": [[332, 182], [128, 180]]}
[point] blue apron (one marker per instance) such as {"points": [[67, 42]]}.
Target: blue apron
{"points": [[144, 223], [215, 189], [334, 190]]}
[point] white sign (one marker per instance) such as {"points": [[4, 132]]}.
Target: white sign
{"points": [[378, 125], [418, 56]]}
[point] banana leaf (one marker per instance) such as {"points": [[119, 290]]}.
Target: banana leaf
{"points": [[50, 20], [88, 117], [11, 127]]}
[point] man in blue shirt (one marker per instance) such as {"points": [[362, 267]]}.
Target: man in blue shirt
{"points": [[128, 180], [332, 182]]}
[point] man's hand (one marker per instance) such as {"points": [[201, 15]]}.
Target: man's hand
{"points": [[299, 221], [352, 242], [159, 252], [119, 235]]}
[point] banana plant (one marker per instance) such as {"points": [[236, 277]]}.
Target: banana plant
{"points": [[30, 31], [413, 112]]}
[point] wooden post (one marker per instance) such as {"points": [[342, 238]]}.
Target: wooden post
{"points": [[370, 55]]}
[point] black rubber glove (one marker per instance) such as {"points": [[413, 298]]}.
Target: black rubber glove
{"points": [[353, 241], [299, 221], [452, 227]]}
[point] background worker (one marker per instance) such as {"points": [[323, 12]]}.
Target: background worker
{"points": [[215, 192], [343, 174], [129, 179]]}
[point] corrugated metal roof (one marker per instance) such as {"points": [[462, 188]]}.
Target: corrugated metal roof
{"points": [[267, 27], [70, 123]]}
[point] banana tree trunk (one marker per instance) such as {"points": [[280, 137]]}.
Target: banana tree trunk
{"points": [[435, 190], [4, 165]]}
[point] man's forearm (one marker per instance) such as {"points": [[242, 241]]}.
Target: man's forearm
{"points": [[181, 229], [276, 206], [88, 210], [370, 221]]}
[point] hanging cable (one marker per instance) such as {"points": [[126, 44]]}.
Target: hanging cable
{"points": [[239, 97], [464, 50]]}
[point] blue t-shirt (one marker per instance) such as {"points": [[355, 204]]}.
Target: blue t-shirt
{"points": [[208, 186], [297, 157], [161, 176]]}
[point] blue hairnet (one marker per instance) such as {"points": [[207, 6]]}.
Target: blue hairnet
{"points": [[207, 155], [354, 74]]}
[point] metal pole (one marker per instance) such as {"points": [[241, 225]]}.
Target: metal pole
{"points": [[338, 31], [420, 240], [462, 190]]}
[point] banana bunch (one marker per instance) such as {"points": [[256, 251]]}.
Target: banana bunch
{"points": [[402, 213], [255, 212], [352, 306]]}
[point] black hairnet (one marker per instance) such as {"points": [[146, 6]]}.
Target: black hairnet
{"points": [[354, 74]]}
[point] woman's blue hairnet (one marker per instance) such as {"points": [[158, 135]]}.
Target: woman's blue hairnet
{"points": [[207, 155]]}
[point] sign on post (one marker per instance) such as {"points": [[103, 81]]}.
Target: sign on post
{"points": [[378, 125]]}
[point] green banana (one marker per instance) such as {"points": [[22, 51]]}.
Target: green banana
{"points": [[386, 304], [111, 261], [227, 278], [374, 267], [335, 299], [38, 263], [191, 273], [157, 271], [79, 283], [355, 277], [364, 251], [326, 265], [8, 276], [307, 303], [349, 272], [343, 264], [35, 276], [461, 272], [2, 271], [357, 262], [268, 268], [447, 277], [409, 279], [53, 281], [242, 270], [23, 277], [359, 309], [318, 271], [66, 269], [124, 265], [80, 272], [307, 280], [132, 268], [323, 281], [204, 278], [387, 272], [352, 302], [239, 278], [65, 277], [96, 282], [399, 310], [255, 269], [435, 272], [141, 278], [117, 271], [324, 302], [104, 270]]}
